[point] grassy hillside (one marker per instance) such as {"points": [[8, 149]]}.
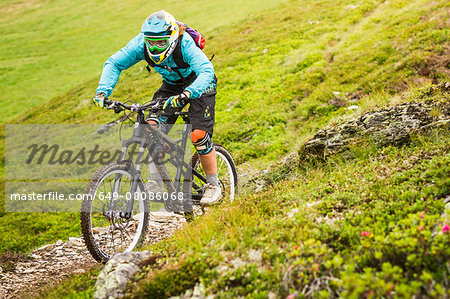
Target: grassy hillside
{"points": [[280, 71], [276, 80], [368, 227], [47, 47], [364, 224], [92, 31]]}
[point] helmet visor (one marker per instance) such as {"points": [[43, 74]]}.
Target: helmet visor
{"points": [[156, 44]]}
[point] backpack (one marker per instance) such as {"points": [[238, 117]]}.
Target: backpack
{"points": [[196, 36], [199, 41]]}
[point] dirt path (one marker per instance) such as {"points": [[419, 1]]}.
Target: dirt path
{"points": [[52, 263]]}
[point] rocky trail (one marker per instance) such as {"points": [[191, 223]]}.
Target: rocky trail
{"points": [[52, 263]]}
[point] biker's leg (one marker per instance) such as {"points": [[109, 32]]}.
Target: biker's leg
{"points": [[201, 113], [166, 120], [204, 146], [162, 122]]}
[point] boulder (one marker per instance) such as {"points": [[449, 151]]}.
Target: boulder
{"points": [[391, 126], [117, 272]]}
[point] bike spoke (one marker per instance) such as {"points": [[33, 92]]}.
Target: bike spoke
{"points": [[121, 237], [103, 222], [220, 167], [126, 233], [120, 233], [111, 230], [104, 189]]}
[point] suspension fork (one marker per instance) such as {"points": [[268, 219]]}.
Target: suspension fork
{"points": [[135, 170], [136, 174]]}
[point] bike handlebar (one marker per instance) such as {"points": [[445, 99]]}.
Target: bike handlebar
{"points": [[119, 106]]}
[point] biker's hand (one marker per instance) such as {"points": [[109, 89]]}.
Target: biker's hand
{"points": [[99, 100], [177, 101]]}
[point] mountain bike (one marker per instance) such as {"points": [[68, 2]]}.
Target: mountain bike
{"points": [[115, 212]]}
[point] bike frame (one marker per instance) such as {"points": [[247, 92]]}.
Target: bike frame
{"points": [[142, 134]]}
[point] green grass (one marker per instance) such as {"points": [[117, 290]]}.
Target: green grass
{"points": [[261, 92], [85, 29], [345, 228], [278, 64], [277, 96], [76, 286], [47, 48]]}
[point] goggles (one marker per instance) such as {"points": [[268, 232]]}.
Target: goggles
{"points": [[156, 44]]}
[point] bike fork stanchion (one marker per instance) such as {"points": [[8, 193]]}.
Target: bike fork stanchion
{"points": [[136, 174], [117, 180]]}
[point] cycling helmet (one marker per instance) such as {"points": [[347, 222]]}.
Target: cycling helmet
{"points": [[161, 33]]}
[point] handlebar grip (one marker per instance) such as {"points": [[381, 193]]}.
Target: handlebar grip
{"points": [[118, 109]]}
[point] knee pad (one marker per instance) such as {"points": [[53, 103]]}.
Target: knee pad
{"points": [[157, 121], [202, 142]]}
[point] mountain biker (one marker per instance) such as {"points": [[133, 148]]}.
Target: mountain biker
{"points": [[159, 43]]}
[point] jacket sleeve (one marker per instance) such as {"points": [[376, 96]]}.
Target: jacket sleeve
{"points": [[200, 64], [128, 56]]}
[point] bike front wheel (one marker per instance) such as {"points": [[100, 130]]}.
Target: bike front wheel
{"points": [[106, 227]]}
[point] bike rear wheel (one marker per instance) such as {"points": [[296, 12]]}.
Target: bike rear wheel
{"points": [[105, 230], [226, 173]]}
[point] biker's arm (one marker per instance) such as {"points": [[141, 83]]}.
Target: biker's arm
{"points": [[201, 65], [126, 57]]}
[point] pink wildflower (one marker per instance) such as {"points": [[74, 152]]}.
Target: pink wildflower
{"points": [[315, 267], [445, 228], [365, 233], [292, 296], [422, 215], [420, 227], [295, 247]]}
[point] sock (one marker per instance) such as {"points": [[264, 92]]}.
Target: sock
{"points": [[154, 174], [212, 179]]}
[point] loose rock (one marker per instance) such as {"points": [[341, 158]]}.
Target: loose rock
{"points": [[116, 274]]}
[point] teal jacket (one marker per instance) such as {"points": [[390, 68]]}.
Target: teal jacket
{"points": [[133, 52]]}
